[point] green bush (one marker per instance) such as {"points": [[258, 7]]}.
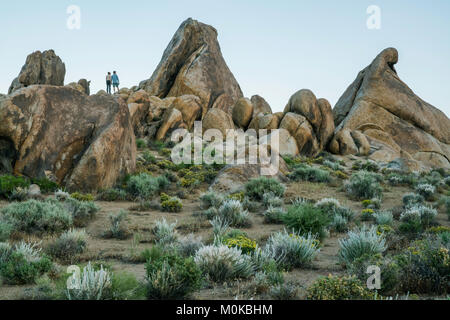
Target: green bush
{"points": [[46, 185], [305, 218], [171, 277], [232, 212], [411, 199], [339, 288], [364, 185], [36, 217], [222, 263], [82, 211], [361, 242], [145, 186], [118, 228], [22, 264], [9, 183], [305, 172], [171, 204], [390, 272], [141, 143], [425, 267], [292, 250], [368, 165], [274, 215], [112, 194], [256, 188]]}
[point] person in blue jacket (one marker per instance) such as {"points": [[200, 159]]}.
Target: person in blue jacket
{"points": [[115, 81]]}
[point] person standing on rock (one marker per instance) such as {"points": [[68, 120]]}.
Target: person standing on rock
{"points": [[108, 82], [115, 81]]}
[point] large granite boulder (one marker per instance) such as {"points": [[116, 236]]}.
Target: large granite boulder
{"points": [[193, 64], [40, 68], [380, 108], [218, 119], [82, 142], [309, 121]]}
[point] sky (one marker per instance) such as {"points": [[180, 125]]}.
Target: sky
{"points": [[273, 48]]}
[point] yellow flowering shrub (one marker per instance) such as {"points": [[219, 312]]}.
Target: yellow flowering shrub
{"points": [[247, 245], [82, 197], [339, 288]]}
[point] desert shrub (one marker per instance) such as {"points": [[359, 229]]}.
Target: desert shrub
{"points": [[328, 204], [9, 183], [367, 215], [283, 292], [368, 165], [425, 267], [82, 196], [292, 250], [211, 199], [305, 218], [447, 181], [188, 245], [305, 172], [118, 229], [425, 190], [141, 143], [112, 194], [170, 276], [145, 186], [361, 242], [232, 212], [270, 200], [373, 204], [339, 288], [256, 188], [222, 263], [82, 211], [5, 231], [445, 201], [90, 284], [384, 218], [339, 223], [35, 217], [220, 227], [264, 281], [171, 204], [165, 232], [45, 185], [22, 263], [364, 185], [148, 157], [412, 199], [245, 244], [417, 218], [68, 246], [19, 194], [390, 271], [332, 165], [274, 215], [61, 195]]}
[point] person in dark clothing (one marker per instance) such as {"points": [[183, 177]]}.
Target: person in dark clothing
{"points": [[108, 82]]}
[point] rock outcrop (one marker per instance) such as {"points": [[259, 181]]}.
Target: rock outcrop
{"points": [[40, 68], [82, 142], [380, 116], [193, 64]]}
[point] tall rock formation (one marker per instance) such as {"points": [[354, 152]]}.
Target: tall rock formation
{"points": [[380, 116]]}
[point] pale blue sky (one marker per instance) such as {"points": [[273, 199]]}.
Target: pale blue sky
{"points": [[274, 48]]}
